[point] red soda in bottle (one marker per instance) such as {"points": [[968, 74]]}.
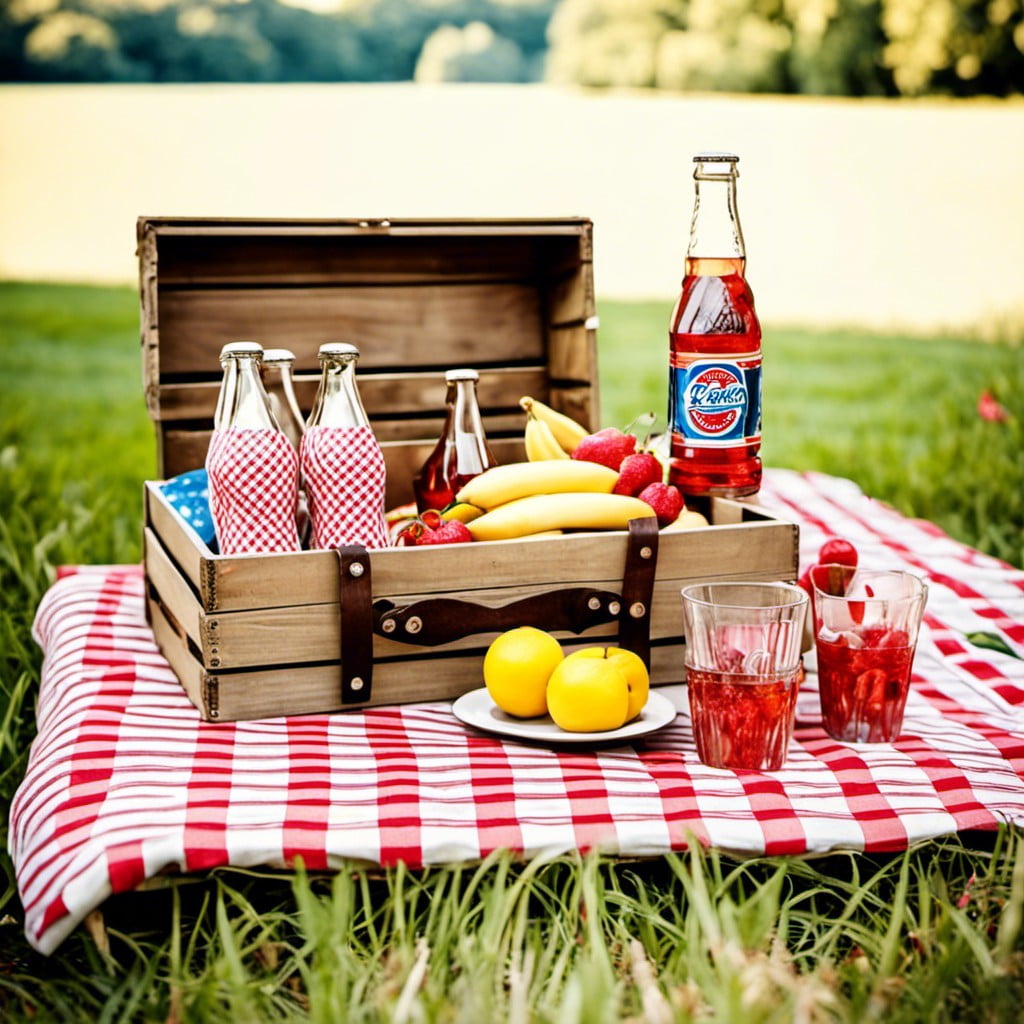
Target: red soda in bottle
{"points": [[714, 409], [461, 452]]}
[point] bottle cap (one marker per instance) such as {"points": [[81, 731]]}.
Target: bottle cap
{"points": [[241, 349], [277, 356], [465, 374], [716, 157], [336, 350]]}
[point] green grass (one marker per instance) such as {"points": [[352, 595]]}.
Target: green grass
{"points": [[932, 935]]}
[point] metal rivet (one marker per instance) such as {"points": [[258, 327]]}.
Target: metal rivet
{"points": [[213, 624], [215, 662], [414, 625], [638, 609], [594, 603], [214, 713], [388, 626], [646, 552], [356, 569], [356, 683], [614, 607]]}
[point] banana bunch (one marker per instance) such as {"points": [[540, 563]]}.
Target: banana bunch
{"points": [[522, 499], [549, 434]]}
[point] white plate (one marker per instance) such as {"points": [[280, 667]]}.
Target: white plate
{"points": [[478, 710]]}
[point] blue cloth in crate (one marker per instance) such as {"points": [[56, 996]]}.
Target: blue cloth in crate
{"points": [[189, 494]]}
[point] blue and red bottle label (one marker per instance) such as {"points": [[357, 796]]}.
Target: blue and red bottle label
{"points": [[716, 402]]}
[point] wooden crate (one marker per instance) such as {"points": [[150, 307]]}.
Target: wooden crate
{"points": [[511, 299], [261, 635], [258, 635]]}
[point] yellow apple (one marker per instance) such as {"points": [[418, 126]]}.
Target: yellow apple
{"points": [[588, 695], [632, 667], [686, 520]]}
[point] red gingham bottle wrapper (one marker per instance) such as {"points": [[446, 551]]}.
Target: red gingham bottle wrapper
{"points": [[253, 478], [343, 468]]}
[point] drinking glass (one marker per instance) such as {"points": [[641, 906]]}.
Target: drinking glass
{"points": [[866, 623], [743, 670]]}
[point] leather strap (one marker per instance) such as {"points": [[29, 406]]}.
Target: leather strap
{"points": [[355, 599], [638, 587], [439, 620]]}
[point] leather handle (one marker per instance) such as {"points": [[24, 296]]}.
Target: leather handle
{"points": [[439, 620], [355, 592]]}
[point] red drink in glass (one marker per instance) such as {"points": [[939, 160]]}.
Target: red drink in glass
{"points": [[863, 677], [742, 720]]}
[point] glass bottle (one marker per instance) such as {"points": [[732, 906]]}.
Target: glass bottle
{"points": [[342, 463], [278, 364], [277, 376], [461, 452], [715, 348], [252, 468]]}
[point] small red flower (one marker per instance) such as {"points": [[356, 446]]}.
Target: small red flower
{"points": [[989, 408]]}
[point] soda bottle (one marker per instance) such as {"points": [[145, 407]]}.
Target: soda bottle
{"points": [[715, 348], [461, 452], [342, 463], [252, 468], [278, 380], [277, 377]]}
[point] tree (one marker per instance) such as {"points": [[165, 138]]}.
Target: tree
{"points": [[471, 54], [962, 47]]}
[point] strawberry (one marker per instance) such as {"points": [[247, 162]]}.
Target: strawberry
{"points": [[838, 552], [430, 528], [452, 532], [666, 501], [636, 472], [607, 447]]}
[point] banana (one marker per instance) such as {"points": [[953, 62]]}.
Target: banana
{"points": [[462, 512], [568, 433], [540, 441], [513, 480], [566, 511]]}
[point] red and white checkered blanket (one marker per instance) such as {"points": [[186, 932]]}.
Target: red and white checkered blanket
{"points": [[124, 781]]}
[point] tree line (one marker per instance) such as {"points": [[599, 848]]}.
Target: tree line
{"points": [[832, 47]]}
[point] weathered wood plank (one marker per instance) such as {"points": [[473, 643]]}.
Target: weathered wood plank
{"points": [[175, 593], [178, 538], [436, 325], [761, 550], [383, 394]]}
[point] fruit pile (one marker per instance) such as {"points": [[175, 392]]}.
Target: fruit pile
{"points": [[594, 689], [571, 480]]}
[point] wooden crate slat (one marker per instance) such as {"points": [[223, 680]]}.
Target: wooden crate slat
{"points": [[311, 633], [177, 537], [265, 581], [175, 593], [383, 395], [349, 252], [432, 324], [572, 354]]}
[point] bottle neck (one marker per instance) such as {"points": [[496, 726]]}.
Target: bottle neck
{"points": [[243, 402], [285, 406], [337, 401], [716, 238], [463, 411]]}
